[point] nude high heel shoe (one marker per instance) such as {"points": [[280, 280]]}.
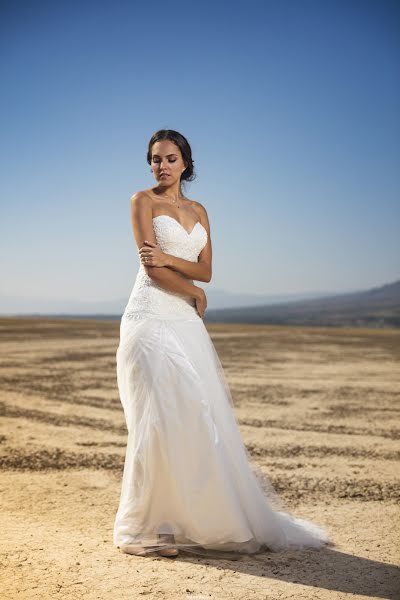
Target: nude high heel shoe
{"points": [[138, 550], [169, 552]]}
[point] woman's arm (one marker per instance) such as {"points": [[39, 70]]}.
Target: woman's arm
{"points": [[142, 224], [173, 282], [194, 270]]}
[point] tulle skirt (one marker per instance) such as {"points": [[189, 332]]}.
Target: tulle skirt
{"points": [[187, 472]]}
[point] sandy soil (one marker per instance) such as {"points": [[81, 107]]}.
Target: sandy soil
{"points": [[317, 407]]}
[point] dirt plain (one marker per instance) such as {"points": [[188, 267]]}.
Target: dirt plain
{"points": [[318, 408]]}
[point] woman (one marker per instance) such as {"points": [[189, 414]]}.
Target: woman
{"points": [[188, 482]]}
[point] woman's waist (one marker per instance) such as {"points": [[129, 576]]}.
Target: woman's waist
{"points": [[147, 296]]}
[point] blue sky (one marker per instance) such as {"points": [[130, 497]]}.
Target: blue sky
{"points": [[291, 109]]}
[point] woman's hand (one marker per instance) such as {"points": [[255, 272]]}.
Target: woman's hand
{"points": [[151, 255], [201, 301]]}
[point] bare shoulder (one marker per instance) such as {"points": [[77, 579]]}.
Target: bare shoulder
{"points": [[140, 194], [201, 210], [141, 198]]}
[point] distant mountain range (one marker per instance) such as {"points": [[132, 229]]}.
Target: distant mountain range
{"points": [[375, 307], [216, 298]]}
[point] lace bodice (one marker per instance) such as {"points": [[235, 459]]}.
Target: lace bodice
{"points": [[149, 300]]}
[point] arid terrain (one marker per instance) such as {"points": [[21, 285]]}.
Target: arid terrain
{"points": [[318, 409]]}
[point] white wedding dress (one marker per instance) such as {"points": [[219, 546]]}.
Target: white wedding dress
{"points": [[187, 471]]}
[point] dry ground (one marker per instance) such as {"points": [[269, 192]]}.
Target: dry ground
{"points": [[318, 408]]}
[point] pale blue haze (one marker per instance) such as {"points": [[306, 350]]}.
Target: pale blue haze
{"points": [[292, 111]]}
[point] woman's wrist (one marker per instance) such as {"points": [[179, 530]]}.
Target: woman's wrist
{"points": [[198, 292], [169, 260]]}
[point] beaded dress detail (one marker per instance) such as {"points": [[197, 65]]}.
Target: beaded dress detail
{"points": [[187, 472], [147, 298]]}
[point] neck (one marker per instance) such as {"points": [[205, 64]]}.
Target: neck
{"points": [[171, 193]]}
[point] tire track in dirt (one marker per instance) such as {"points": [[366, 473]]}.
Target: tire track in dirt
{"points": [[60, 420], [291, 487], [393, 434]]}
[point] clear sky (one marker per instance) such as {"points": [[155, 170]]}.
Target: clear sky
{"points": [[291, 109]]}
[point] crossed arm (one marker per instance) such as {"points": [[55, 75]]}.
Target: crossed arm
{"points": [[176, 272], [200, 271]]}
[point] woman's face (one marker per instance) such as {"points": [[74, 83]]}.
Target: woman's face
{"points": [[166, 162]]}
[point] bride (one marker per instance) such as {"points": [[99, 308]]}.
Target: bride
{"points": [[188, 482]]}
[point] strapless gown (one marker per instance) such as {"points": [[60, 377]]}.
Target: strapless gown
{"points": [[187, 471]]}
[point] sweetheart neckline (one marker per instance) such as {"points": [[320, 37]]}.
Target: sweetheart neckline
{"points": [[176, 221]]}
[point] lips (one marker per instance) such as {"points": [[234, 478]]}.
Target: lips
{"points": [[164, 175]]}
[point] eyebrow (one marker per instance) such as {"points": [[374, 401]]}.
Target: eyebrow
{"points": [[167, 155]]}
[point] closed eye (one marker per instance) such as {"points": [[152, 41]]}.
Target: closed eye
{"points": [[171, 161]]}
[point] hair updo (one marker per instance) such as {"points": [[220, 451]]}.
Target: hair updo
{"points": [[177, 138]]}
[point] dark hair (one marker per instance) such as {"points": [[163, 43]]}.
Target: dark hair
{"points": [[183, 145]]}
